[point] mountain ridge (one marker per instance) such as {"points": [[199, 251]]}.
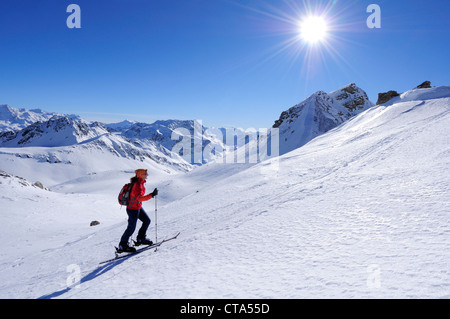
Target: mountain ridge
{"points": [[315, 115]]}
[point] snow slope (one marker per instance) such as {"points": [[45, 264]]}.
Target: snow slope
{"points": [[361, 211], [57, 165]]}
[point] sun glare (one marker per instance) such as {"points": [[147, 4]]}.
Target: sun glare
{"points": [[312, 33], [313, 29]]}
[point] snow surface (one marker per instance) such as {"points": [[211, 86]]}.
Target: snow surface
{"points": [[359, 212]]}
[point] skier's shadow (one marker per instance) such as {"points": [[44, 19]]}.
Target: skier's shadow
{"points": [[88, 277]]}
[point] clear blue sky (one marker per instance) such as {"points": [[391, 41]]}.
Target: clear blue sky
{"points": [[224, 62]]}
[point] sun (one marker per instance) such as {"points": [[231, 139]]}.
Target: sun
{"points": [[313, 29]]}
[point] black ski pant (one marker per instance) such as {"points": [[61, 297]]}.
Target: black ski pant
{"points": [[133, 216]]}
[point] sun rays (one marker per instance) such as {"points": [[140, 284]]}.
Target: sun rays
{"points": [[312, 33]]}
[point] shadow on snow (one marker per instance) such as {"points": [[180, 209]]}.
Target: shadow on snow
{"points": [[101, 270]]}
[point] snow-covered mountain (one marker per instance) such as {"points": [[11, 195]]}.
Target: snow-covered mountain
{"points": [[65, 148], [120, 126], [359, 212], [55, 141], [318, 114], [166, 134], [161, 132], [12, 119], [300, 124], [59, 130]]}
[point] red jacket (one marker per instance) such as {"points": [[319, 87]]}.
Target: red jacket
{"points": [[137, 195]]}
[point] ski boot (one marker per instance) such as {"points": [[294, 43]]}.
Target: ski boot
{"points": [[143, 241], [125, 248]]}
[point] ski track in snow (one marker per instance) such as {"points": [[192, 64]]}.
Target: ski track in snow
{"points": [[360, 212]]}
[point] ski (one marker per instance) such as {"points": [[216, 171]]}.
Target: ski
{"points": [[138, 251]]}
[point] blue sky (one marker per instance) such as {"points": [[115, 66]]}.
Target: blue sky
{"points": [[225, 62]]}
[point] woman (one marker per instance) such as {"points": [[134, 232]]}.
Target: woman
{"points": [[135, 212]]}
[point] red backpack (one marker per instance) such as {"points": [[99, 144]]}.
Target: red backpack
{"points": [[124, 195]]}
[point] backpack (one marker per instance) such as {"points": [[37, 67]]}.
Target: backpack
{"points": [[124, 195]]}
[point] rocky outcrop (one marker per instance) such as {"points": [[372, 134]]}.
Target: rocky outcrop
{"points": [[13, 179], [385, 97], [424, 85]]}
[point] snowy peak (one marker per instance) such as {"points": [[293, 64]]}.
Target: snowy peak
{"points": [[318, 114], [345, 102], [159, 131], [352, 98], [120, 126], [15, 119], [59, 130]]}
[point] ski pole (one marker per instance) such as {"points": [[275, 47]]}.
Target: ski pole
{"points": [[156, 219]]}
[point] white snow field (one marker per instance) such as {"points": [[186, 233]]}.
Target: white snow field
{"points": [[362, 211]]}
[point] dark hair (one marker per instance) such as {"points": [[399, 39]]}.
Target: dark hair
{"points": [[134, 179]]}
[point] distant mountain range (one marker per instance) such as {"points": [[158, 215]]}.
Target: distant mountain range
{"points": [[15, 119], [298, 125]]}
